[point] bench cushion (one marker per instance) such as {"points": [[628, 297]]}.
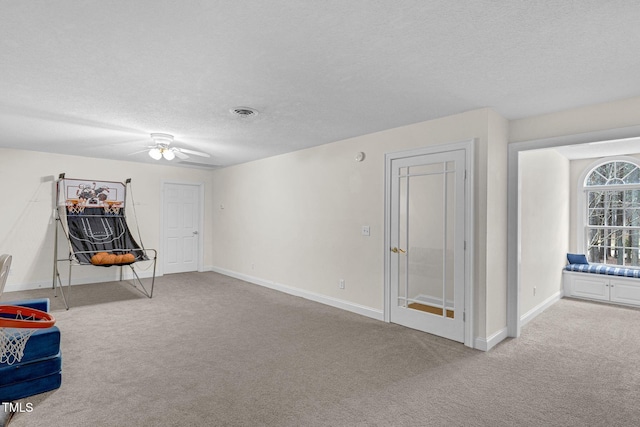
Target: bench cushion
{"points": [[604, 269]]}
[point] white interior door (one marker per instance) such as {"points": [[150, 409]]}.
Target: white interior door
{"points": [[181, 227], [427, 260]]}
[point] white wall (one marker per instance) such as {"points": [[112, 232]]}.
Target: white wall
{"points": [[496, 229], [295, 220], [545, 197], [27, 226], [610, 115]]}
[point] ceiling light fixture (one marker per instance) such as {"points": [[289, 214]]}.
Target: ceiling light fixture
{"points": [[162, 148], [155, 153], [168, 154]]}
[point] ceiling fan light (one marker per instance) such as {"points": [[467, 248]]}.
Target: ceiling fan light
{"points": [[155, 154], [168, 154]]}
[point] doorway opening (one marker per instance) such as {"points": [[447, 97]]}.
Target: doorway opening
{"points": [[606, 140], [182, 226]]}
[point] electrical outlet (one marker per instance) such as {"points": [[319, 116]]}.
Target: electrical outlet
{"points": [[341, 284], [366, 231]]}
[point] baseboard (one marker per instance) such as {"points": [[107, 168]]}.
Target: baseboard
{"points": [[531, 314], [43, 284], [323, 299], [486, 344]]}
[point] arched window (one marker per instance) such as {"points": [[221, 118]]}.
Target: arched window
{"points": [[612, 226]]}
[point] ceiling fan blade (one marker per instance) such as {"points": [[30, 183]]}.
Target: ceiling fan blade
{"points": [[195, 153], [134, 142], [179, 154], [138, 152]]}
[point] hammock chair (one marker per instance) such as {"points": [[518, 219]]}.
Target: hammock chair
{"points": [[92, 217]]}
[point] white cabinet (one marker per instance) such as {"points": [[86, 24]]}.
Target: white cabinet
{"points": [[589, 286], [625, 291], [621, 290]]}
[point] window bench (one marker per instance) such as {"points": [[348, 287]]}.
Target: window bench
{"points": [[603, 283]]}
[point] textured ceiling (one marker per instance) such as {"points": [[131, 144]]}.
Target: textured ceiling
{"points": [[94, 78]]}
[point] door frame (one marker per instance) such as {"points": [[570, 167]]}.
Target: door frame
{"points": [[200, 185], [514, 243], [468, 147]]}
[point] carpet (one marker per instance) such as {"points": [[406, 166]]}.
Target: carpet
{"points": [[5, 416], [210, 350]]}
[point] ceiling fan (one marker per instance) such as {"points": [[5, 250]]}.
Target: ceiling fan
{"points": [[161, 148]]}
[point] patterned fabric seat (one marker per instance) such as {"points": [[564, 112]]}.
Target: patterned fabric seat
{"points": [[610, 270]]}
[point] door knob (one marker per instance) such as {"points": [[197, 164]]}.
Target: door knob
{"points": [[195, 232], [398, 250]]}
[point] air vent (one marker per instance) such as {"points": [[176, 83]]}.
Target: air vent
{"points": [[244, 111]]}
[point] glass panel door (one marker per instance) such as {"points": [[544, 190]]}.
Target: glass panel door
{"points": [[428, 243]]}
